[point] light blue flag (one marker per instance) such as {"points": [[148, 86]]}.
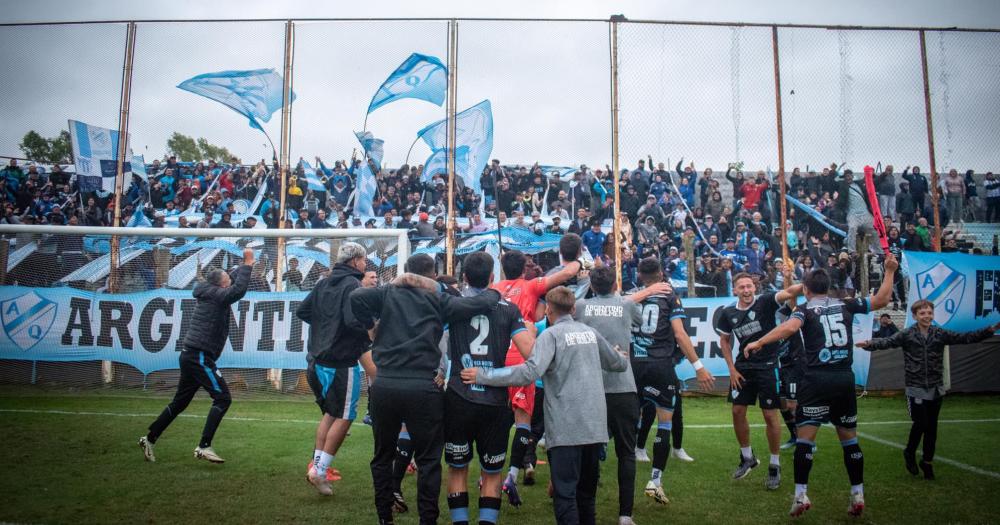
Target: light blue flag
{"points": [[255, 94], [419, 76], [565, 172], [473, 130], [311, 179], [365, 192], [139, 166], [438, 163], [138, 220], [374, 148]]}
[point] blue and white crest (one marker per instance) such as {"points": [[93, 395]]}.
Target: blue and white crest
{"points": [[944, 286], [27, 319]]}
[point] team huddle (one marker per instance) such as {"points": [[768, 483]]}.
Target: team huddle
{"points": [[561, 357]]}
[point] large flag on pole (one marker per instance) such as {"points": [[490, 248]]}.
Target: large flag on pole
{"points": [[374, 148], [312, 180], [438, 163], [474, 131], [419, 76], [95, 154], [255, 94]]}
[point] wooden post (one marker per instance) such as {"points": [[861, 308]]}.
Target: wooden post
{"points": [[161, 264], [4, 254], [452, 137], [114, 277], [936, 238], [616, 230], [688, 242], [781, 150], [286, 124]]}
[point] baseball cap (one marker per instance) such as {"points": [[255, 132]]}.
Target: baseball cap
{"points": [[423, 216]]}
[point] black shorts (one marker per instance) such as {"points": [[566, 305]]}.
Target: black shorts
{"points": [[789, 382], [656, 381], [827, 396], [467, 423], [337, 390], [762, 384]]}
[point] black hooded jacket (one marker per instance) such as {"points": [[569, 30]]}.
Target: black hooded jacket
{"points": [[210, 321], [923, 356], [336, 339]]}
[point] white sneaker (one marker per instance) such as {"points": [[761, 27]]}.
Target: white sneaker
{"points": [[147, 449], [319, 481], [681, 455], [208, 455], [857, 505], [641, 455], [541, 442], [656, 492], [625, 520], [799, 506]]}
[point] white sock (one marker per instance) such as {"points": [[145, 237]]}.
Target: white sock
{"points": [[800, 489], [858, 489], [747, 452], [776, 460], [316, 455], [513, 473], [656, 477], [324, 463]]}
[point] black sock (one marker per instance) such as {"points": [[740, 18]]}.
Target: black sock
{"points": [[854, 460], [519, 445], [677, 424], [404, 451], [648, 415], [803, 461], [458, 505], [789, 417], [489, 511], [661, 446], [215, 414]]}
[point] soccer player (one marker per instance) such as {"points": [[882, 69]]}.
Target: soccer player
{"points": [[923, 353], [789, 372], [613, 316], [476, 414], [336, 344], [654, 343], [407, 354], [525, 294], [755, 377], [826, 390], [569, 357], [203, 344]]}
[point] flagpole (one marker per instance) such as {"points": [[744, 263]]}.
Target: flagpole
{"points": [[286, 115], [113, 276], [616, 226], [781, 152], [452, 105]]}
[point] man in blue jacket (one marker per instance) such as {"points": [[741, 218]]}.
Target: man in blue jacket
{"points": [[203, 344], [336, 344]]}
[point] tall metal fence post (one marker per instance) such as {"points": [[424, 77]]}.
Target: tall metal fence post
{"points": [[936, 238], [616, 229], [452, 96], [286, 135], [114, 275]]}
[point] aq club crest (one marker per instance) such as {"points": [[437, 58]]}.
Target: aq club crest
{"points": [[27, 319], [944, 286]]}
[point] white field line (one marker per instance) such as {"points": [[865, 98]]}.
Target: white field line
{"points": [[937, 459]]}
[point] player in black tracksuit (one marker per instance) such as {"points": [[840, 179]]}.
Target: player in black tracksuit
{"points": [[203, 343], [477, 414], [407, 355], [826, 390]]}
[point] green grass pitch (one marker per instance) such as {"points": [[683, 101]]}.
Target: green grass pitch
{"points": [[72, 458]]}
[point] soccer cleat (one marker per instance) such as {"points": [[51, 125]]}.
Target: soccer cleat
{"points": [[857, 505], [799, 506], [911, 462], [681, 455], [625, 520], [656, 492], [510, 489], [147, 449], [773, 480], [208, 455], [788, 444], [411, 468], [320, 482], [541, 442], [928, 469], [746, 465], [367, 419], [529, 475], [398, 503], [642, 455]]}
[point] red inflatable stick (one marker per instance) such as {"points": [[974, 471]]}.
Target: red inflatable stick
{"points": [[883, 235]]}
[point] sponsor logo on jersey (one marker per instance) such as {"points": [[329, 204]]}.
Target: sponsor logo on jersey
{"points": [[493, 460], [814, 411]]}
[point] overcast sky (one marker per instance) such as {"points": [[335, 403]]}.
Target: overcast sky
{"points": [[703, 93]]}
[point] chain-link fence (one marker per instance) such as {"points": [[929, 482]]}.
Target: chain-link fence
{"points": [[704, 93]]}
